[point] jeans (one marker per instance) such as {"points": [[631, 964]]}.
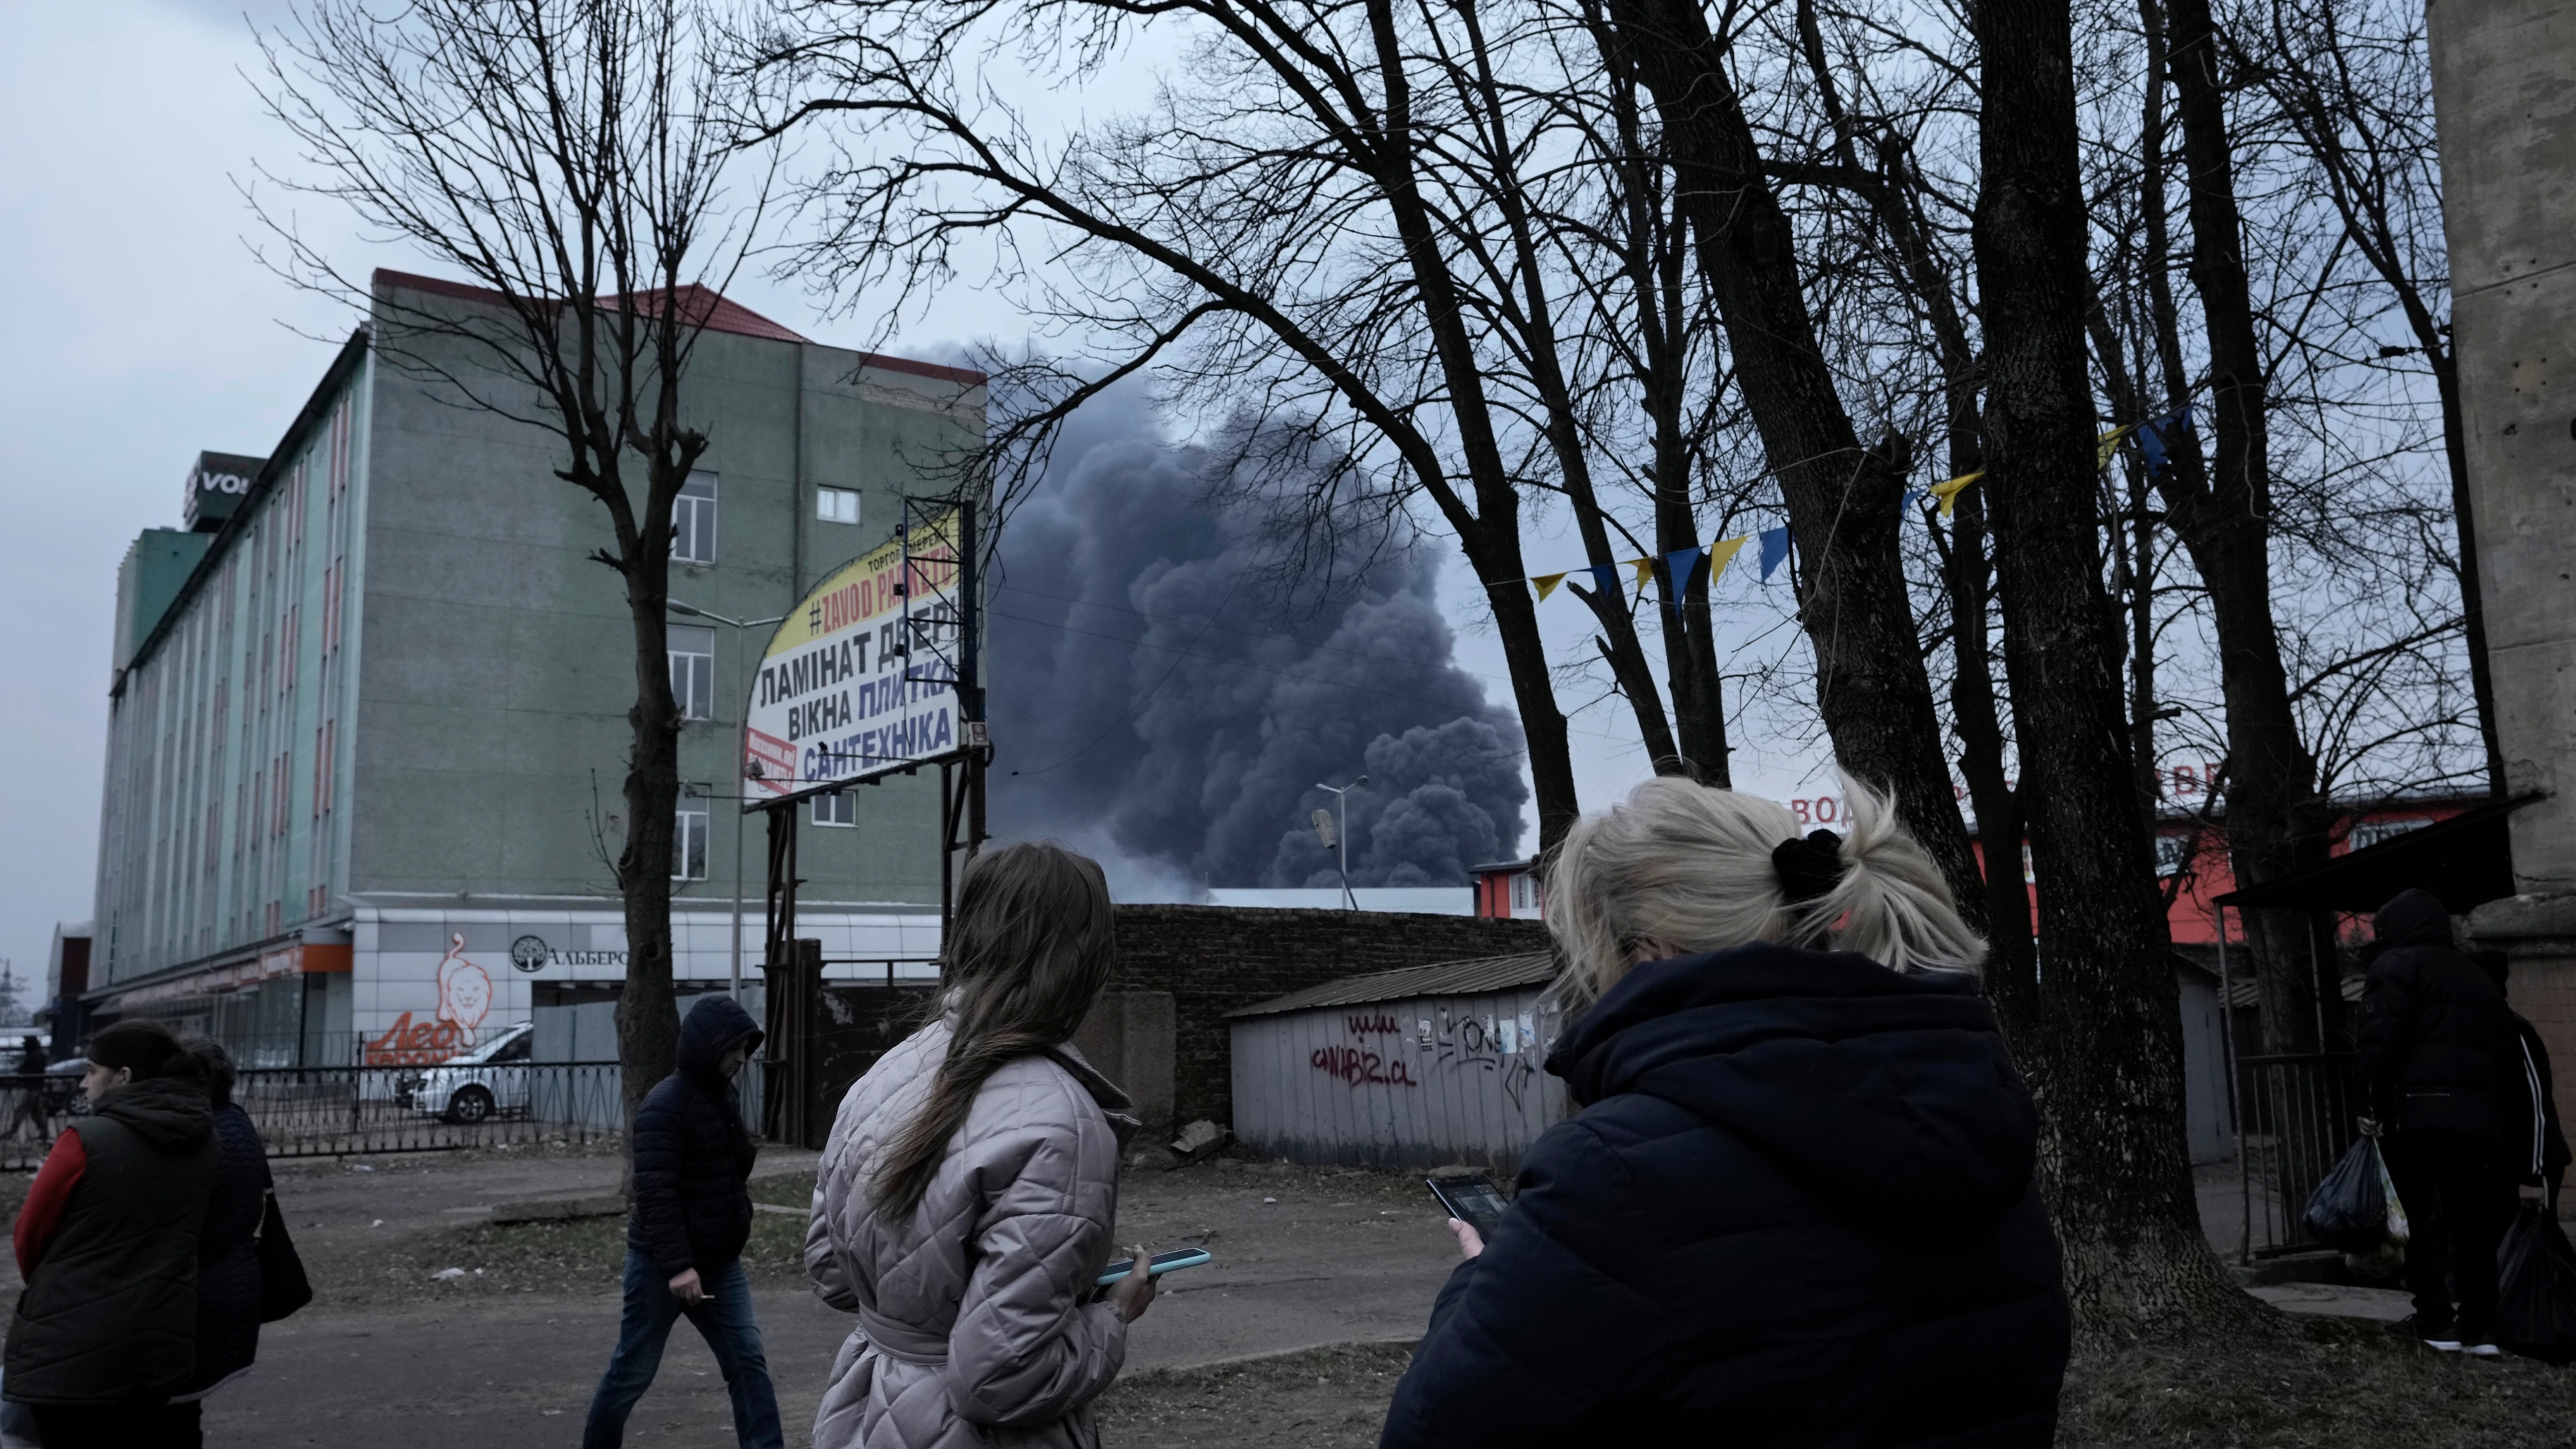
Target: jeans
{"points": [[2447, 1182], [723, 1320], [137, 1424]]}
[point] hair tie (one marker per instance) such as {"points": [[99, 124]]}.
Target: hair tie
{"points": [[1809, 868]]}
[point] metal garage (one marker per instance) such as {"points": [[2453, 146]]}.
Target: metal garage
{"points": [[1419, 1067]]}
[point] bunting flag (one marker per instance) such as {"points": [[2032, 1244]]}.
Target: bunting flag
{"points": [[1547, 585], [1605, 577], [1682, 567], [1949, 492], [1720, 554], [2154, 433], [2110, 445], [1907, 501], [1775, 550], [1645, 568]]}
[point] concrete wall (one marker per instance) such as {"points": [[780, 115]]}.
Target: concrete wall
{"points": [[498, 663], [2505, 107], [1211, 960]]}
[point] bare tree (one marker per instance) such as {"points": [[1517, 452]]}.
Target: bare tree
{"points": [[563, 156], [1413, 226], [2107, 1060]]}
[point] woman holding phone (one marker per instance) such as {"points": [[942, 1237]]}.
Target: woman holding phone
{"points": [[1798, 1205], [965, 1199]]}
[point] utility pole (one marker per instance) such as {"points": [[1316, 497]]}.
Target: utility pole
{"points": [[1338, 835], [742, 752]]}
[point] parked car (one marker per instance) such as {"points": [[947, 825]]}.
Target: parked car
{"points": [[63, 1086], [489, 1081]]}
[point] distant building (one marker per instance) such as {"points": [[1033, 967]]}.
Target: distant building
{"points": [[1509, 890], [368, 716]]}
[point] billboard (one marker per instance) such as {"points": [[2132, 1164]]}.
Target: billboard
{"points": [[861, 679], [215, 488]]}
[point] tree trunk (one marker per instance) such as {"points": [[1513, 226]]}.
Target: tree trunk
{"points": [[648, 1017], [2275, 822], [1872, 689], [2107, 1062]]}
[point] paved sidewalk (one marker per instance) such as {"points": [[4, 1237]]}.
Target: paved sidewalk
{"points": [[1303, 1258]]}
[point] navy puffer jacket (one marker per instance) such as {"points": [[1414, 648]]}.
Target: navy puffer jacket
{"points": [[228, 1279], [1797, 1208], [692, 1152]]}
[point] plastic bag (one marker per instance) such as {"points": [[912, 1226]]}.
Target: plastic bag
{"points": [[2536, 1271], [2355, 1208], [2398, 1233]]}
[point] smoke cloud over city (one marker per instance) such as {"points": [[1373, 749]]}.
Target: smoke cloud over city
{"points": [[1163, 700]]}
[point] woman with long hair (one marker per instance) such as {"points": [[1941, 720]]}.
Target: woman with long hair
{"points": [[965, 1200], [1798, 1205], [106, 1332]]}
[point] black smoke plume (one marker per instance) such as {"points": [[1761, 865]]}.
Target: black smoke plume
{"points": [[1166, 694]]}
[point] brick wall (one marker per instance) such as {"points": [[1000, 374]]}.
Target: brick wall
{"points": [[1213, 959]]}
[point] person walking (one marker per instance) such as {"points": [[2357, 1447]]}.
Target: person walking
{"points": [[2436, 1057], [31, 1108], [964, 1203], [1798, 1204], [228, 1276], [2533, 1162], [106, 1331], [685, 1230]]}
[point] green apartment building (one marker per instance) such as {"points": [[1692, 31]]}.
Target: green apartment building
{"points": [[368, 715]]}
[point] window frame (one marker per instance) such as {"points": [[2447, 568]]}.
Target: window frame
{"points": [[683, 833], [698, 509], [703, 681], [845, 809], [825, 496]]}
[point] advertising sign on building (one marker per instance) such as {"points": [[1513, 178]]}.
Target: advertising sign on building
{"points": [[216, 487], [861, 679]]}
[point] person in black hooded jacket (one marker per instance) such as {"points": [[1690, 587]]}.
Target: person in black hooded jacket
{"points": [[2534, 1156], [2439, 1066], [685, 1229], [1799, 1205]]}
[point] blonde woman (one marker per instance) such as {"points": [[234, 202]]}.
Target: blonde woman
{"points": [[964, 1202], [1797, 1206]]}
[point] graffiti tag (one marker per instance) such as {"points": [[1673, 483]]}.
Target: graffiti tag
{"points": [[1354, 1066]]}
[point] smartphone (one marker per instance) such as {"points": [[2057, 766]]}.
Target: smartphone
{"points": [[1474, 1201], [1158, 1265]]}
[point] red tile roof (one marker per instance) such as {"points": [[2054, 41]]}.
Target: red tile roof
{"points": [[710, 309]]}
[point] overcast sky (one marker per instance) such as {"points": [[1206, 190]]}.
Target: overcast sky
{"points": [[137, 329]]}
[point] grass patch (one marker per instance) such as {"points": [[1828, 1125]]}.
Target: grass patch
{"points": [[2306, 1383], [1325, 1398], [588, 1255], [2324, 1382]]}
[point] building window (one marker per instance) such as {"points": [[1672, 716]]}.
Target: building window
{"points": [[2371, 832], [693, 670], [836, 505], [2173, 852], [693, 521], [689, 836], [837, 808]]}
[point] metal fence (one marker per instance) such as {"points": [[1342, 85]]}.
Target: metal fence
{"points": [[2295, 1120], [333, 1111]]}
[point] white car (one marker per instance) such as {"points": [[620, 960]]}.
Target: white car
{"points": [[487, 1082]]}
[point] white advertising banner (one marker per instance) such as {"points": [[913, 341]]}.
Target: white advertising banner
{"points": [[861, 680]]}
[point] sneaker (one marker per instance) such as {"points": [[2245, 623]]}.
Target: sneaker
{"points": [[2478, 1349], [2441, 1336]]}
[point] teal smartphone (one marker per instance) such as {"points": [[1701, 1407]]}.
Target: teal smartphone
{"points": [[1159, 1264]]}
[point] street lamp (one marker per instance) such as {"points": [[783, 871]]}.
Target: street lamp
{"points": [[742, 749], [1340, 834]]}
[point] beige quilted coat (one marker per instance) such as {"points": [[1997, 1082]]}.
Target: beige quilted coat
{"points": [[973, 1327]]}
